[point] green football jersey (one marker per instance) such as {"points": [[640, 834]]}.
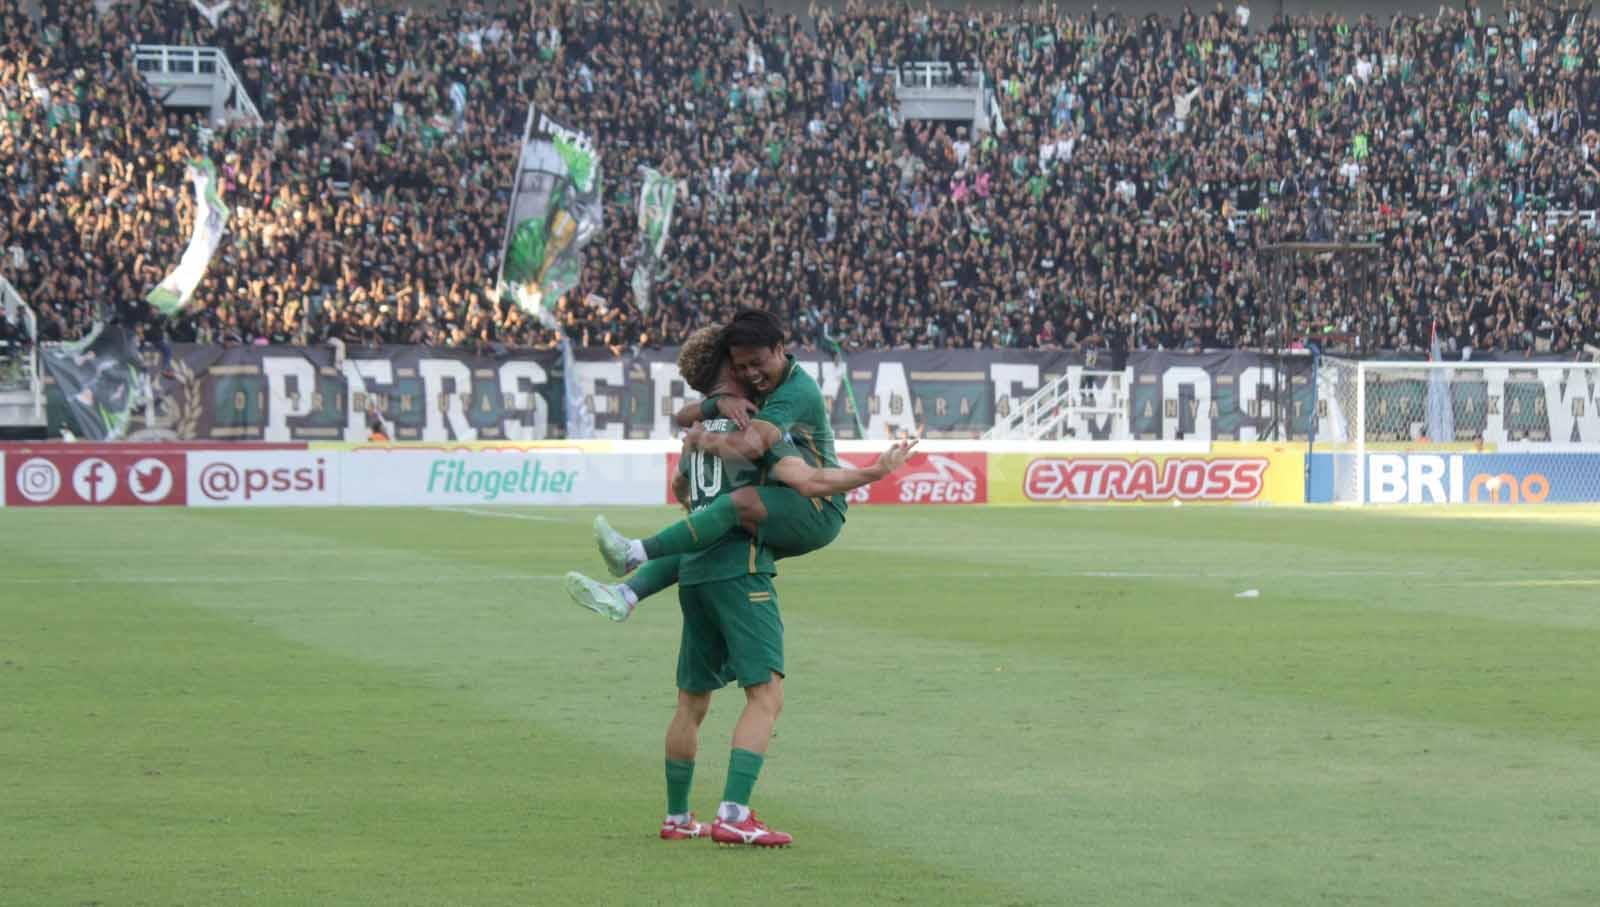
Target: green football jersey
{"points": [[710, 478], [796, 408]]}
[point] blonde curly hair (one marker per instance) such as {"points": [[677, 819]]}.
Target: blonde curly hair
{"points": [[700, 359]]}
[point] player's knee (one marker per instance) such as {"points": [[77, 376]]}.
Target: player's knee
{"points": [[694, 706], [752, 512], [768, 696]]}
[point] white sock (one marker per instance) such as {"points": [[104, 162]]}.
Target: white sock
{"points": [[636, 553], [679, 818], [628, 595], [730, 811]]}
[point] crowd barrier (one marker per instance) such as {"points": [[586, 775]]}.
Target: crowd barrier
{"points": [[626, 473], [618, 473]]}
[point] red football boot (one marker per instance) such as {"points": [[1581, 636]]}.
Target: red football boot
{"points": [[679, 831], [751, 831]]}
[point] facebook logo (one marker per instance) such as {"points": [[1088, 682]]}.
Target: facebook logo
{"points": [[94, 480]]}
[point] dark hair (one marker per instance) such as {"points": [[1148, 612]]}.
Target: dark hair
{"points": [[753, 327]]}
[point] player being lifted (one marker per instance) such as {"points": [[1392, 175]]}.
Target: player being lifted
{"points": [[789, 434], [732, 629]]}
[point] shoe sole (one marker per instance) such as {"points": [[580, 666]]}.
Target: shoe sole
{"points": [[578, 591], [752, 844], [743, 843]]}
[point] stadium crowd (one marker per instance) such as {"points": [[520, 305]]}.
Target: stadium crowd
{"points": [[1142, 163]]}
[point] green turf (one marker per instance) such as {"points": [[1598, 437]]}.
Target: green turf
{"points": [[987, 706]]}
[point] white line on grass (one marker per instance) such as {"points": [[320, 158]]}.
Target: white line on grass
{"points": [[498, 514]]}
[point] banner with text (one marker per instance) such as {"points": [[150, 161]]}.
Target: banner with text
{"points": [[382, 476], [927, 478], [555, 211], [1230, 474], [284, 394], [1469, 478]]}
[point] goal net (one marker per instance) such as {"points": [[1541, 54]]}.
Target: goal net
{"points": [[1456, 432]]}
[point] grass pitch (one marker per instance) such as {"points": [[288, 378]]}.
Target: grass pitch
{"points": [[986, 706]]}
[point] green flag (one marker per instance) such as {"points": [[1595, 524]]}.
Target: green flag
{"points": [[656, 199], [210, 223], [555, 212]]}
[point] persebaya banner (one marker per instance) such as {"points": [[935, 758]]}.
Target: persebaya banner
{"points": [[98, 383], [210, 222], [656, 198], [294, 394], [555, 212]]}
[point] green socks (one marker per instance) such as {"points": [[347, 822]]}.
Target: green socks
{"points": [[654, 576], [743, 767], [679, 776], [701, 530]]}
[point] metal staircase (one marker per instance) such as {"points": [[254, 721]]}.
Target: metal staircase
{"points": [[21, 391], [197, 77], [1069, 406]]}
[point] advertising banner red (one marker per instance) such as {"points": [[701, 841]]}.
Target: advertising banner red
{"points": [[96, 477], [933, 478], [940, 478]]}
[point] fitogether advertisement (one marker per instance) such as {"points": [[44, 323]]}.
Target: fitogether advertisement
{"points": [[377, 476], [1228, 474]]}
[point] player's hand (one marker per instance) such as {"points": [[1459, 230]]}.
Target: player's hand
{"points": [[691, 438], [896, 456], [738, 409]]}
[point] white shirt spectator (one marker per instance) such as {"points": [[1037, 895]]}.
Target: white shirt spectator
{"points": [[1182, 104], [963, 148]]}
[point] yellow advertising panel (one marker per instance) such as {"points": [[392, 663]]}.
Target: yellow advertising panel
{"points": [[1231, 473]]}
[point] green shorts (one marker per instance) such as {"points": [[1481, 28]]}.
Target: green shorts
{"points": [[795, 524], [731, 632]]}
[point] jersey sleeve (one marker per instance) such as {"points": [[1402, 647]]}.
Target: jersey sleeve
{"points": [[781, 409]]}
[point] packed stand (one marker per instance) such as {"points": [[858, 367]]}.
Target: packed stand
{"points": [[1142, 164]]}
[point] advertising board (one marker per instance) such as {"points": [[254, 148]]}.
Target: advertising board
{"points": [[95, 477], [1489, 478], [546, 477], [1237, 473], [263, 478]]}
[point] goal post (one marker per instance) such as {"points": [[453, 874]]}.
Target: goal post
{"points": [[1455, 432]]}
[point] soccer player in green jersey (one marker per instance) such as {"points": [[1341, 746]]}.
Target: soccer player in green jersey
{"points": [[805, 478], [791, 520], [732, 631]]}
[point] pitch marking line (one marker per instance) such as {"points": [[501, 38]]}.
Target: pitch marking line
{"points": [[499, 514]]}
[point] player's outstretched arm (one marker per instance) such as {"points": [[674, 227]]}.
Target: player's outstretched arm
{"points": [[813, 482]]}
